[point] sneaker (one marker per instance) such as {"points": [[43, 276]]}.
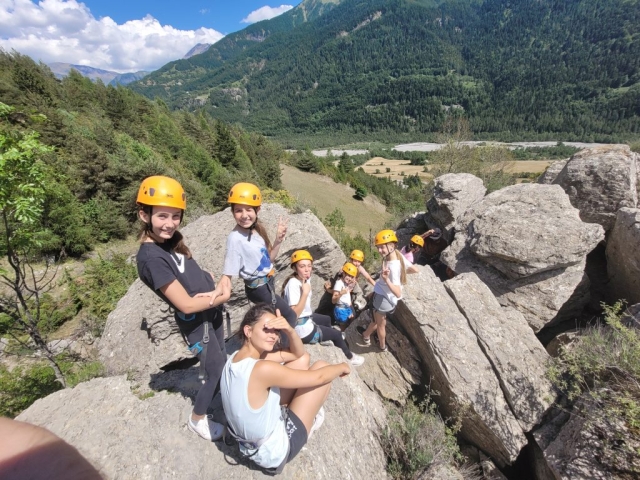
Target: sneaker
{"points": [[206, 428], [317, 422], [336, 327], [326, 343], [344, 337], [360, 329], [384, 349], [356, 360]]}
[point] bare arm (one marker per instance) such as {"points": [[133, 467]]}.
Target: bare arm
{"points": [[296, 348], [179, 297], [337, 294], [366, 275], [412, 269], [272, 374], [304, 293]]}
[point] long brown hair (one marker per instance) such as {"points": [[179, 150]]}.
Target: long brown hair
{"points": [[398, 256], [252, 317], [176, 242], [262, 231]]}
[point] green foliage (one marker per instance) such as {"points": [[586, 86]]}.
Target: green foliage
{"points": [[95, 143], [77, 372], [415, 438], [283, 197], [97, 292], [635, 147], [335, 222], [349, 243], [361, 192], [397, 67], [544, 153], [604, 364], [22, 386]]}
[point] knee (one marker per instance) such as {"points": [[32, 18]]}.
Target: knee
{"points": [[318, 364], [305, 360]]}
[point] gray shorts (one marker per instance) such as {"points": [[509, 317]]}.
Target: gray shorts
{"points": [[381, 304]]}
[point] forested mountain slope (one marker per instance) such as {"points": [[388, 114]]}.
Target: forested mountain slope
{"points": [[107, 139], [514, 68]]}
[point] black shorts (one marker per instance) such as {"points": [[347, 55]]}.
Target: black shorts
{"points": [[297, 434]]}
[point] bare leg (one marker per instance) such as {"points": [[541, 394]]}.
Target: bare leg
{"points": [[302, 363], [373, 326], [306, 402], [381, 323]]}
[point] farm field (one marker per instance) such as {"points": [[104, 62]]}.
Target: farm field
{"points": [[325, 195]]}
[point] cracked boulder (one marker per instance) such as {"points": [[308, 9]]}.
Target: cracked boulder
{"points": [[528, 244], [623, 257]]}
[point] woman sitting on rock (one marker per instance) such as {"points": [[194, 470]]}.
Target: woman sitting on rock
{"points": [[273, 400], [165, 265], [311, 327]]}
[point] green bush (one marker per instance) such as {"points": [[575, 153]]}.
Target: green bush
{"points": [[603, 364], [76, 372], [416, 438], [22, 386]]}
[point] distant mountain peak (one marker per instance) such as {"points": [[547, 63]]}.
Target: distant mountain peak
{"points": [[197, 49]]}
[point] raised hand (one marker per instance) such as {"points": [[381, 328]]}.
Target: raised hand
{"points": [[283, 224]]}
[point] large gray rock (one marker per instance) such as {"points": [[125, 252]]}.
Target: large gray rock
{"points": [[623, 256], [552, 171], [528, 244], [458, 368], [518, 358], [141, 338], [600, 181], [126, 437], [453, 193]]}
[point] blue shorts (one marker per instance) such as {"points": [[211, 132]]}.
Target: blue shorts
{"points": [[342, 314]]}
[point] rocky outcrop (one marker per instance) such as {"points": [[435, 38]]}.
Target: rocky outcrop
{"points": [[141, 339], [528, 244], [552, 171], [623, 256], [127, 437], [600, 181], [459, 370], [453, 193], [518, 359]]}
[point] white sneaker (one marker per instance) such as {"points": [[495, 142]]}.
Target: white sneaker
{"points": [[317, 422], [356, 360], [326, 343], [206, 428]]}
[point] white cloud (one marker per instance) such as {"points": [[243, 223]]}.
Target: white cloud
{"points": [[66, 31], [265, 13]]}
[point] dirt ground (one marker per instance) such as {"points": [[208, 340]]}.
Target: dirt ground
{"points": [[325, 195]]}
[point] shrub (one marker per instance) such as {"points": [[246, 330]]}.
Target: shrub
{"points": [[416, 438], [361, 192], [282, 197], [22, 386]]}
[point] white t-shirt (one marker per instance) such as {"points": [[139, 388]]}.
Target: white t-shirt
{"points": [[346, 298], [395, 272], [292, 294], [248, 259]]}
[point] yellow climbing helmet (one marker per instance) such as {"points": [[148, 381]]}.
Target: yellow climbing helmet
{"points": [[418, 240], [245, 194], [159, 191], [357, 255], [300, 255], [385, 236], [350, 269]]}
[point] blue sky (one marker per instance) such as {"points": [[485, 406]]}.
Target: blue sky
{"points": [[124, 35]]}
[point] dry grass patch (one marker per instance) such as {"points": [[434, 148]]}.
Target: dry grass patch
{"points": [[378, 167]]}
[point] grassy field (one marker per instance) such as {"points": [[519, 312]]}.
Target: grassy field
{"points": [[534, 166], [325, 195], [378, 166]]}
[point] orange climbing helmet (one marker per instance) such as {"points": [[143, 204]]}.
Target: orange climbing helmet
{"points": [[245, 194], [385, 236], [357, 255], [300, 255], [160, 191], [418, 240], [350, 269]]}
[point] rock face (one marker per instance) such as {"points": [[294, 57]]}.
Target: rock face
{"points": [[528, 244], [552, 171], [458, 368], [600, 181], [140, 336], [623, 256], [516, 355], [126, 437], [453, 193]]}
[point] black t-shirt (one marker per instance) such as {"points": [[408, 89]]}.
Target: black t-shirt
{"points": [[158, 266]]}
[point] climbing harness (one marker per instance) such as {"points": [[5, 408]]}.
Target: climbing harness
{"points": [[199, 348]]}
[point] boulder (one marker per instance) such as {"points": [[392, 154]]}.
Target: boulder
{"points": [[453, 193], [458, 368], [414, 224], [600, 181], [528, 244], [623, 256], [128, 437], [552, 171], [518, 358], [140, 336]]}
